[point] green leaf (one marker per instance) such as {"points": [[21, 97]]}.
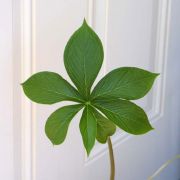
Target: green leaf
{"points": [[58, 122], [83, 58], [88, 128], [48, 88], [127, 83], [125, 114], [105, 127]]}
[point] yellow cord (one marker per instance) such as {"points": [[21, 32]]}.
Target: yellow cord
{"points": [[163, 167]]}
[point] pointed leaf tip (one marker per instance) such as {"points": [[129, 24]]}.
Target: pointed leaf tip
{"points": [[152, 128], [84, 21], [129, 83], [126, 115], [157, 74], [88, 152], [83, 57]]}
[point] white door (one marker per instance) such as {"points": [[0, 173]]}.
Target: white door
{"points": [[143, 33]]}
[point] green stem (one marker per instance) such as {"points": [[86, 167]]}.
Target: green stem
{"points": [[111, 156]]}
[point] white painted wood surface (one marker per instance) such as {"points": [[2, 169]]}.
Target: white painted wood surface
{"points": [[6, 92], [143, 33]]}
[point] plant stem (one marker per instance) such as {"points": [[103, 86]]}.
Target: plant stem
{"points": [[111, 156]]}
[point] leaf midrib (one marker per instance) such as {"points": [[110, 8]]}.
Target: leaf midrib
{"points": [[114, 89], [56, 92], [113, 113], [122, 117]]}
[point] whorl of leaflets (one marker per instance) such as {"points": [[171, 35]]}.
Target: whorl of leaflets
{"points": [[106, 106]]}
